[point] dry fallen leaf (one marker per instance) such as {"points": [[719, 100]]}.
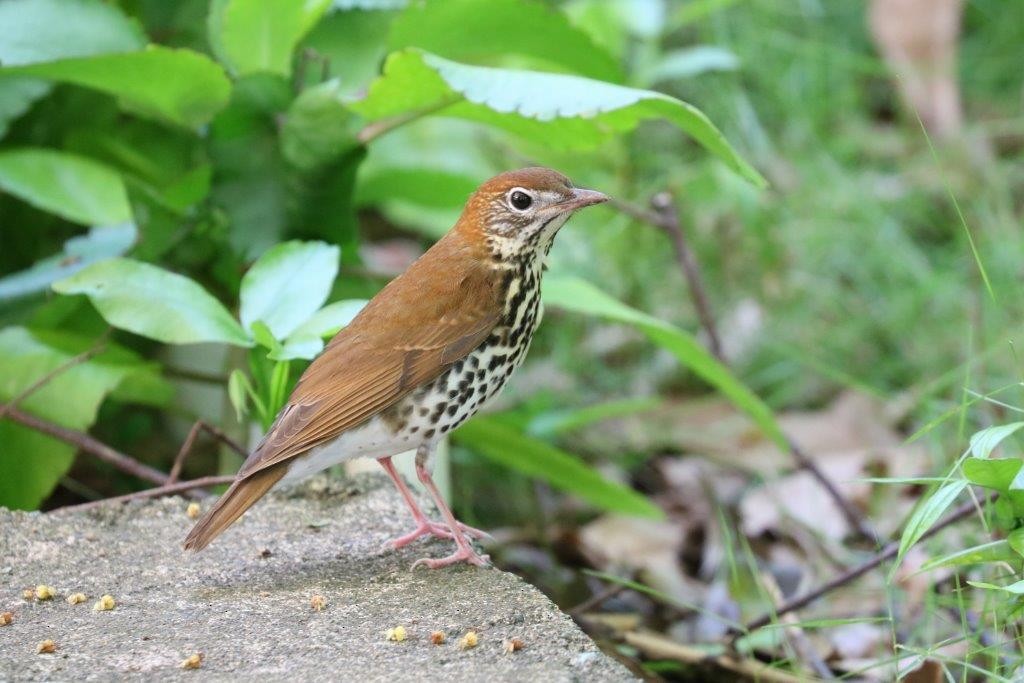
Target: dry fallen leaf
{"points": [[192, 661], [44, 592], [104, 604], [469, 640], [437, 637], [46, 647], [397, 634], [6, 618], [193, 510], [318, 603], [76, 598]]}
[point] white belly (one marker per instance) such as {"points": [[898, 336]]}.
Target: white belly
{"points": [[371, 440]]}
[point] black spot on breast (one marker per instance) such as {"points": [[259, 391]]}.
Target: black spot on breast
{"points": [[481, 373], [496, 362], [429, 433], [453, 393], [452, 409], [414, 429]]}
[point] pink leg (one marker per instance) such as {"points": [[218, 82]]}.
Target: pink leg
{"points": [[464, 552], [424, 526]]}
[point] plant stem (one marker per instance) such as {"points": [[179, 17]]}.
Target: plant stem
{"points": [[166, 490]]}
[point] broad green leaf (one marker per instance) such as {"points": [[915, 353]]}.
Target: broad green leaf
{"points": [[513, 449], [73, 187], [31, 464], [693, 61], [561, 111], [986, 440], [472, 31], [1014, 588], [370, 5], [429, 187], [260, 35], [318, 128], [995, 551], [45, 30], [580, 296], [16, 95], [287, 285], [100, 243], [928, 512], [154, 303], [179, 86], [308, 339], [1015, 539], [554, 422], [992, 474], [353, 44]]}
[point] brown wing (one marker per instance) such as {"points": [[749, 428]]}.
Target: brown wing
{"points": [[424, 321]]}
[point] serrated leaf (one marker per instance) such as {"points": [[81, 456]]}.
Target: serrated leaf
{"points": [[995, 551], [175, 85], [154, 303], [99, 244], [45, 30], [986, 440], [260, 35], [580, 296], [511, 448], [472, 31], [928, 513], [287, 285], [561, 111], [70, 186]]}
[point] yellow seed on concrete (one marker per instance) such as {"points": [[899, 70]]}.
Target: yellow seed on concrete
{"points": [[192, 661], [46, 647], [6, 618], [76, 598], [437, 637], [469, 640], [44, 592], [193, 510], [396, 634], [318, 603], [105, 603]]}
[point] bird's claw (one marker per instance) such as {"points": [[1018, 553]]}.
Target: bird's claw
{"points": [[427, 528], [463, 554]]}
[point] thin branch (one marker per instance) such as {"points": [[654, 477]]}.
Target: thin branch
{"points": [[665, 217], [166, 490], [887, 553], [99, 348], [88, 444], [190, 442], [658, 646], [378, 128]]}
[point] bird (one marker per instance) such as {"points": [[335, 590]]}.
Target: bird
{"points": [[432, 348]]}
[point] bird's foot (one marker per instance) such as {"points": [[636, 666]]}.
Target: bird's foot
{"points": [[428, 528], [463, 554]]}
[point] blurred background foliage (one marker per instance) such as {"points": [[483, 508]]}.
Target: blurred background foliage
{"points": [[869, 292]]}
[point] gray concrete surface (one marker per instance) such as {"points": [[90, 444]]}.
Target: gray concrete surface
{"points": [[245, 601]]}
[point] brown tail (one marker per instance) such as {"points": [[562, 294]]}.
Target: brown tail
{"points": [[236, 500]]}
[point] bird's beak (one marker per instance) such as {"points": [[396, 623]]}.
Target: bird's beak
{"points": [[581, 198]]}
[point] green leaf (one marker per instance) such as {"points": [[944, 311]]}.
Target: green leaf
{"points": [[308, 339], [70, 186], [100, 243], [1015, 539], [552, 423], [154, 303], [928, 512], [561, 111], [471, 31], [429, 187], [45, 30], [513, 449], [1014, 588], [318, 128], [16, 96], [995, 551], [31, 464], [238, 389], [179, 86], [287, 285], [986, 440], [992, 474], [580, 296], [353, 44], [260, 35], [693, 61]]}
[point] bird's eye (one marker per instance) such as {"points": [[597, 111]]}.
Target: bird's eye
{"points": [[520, 200]]}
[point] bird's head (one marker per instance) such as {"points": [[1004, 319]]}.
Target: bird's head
{"points": [[519, 212]]}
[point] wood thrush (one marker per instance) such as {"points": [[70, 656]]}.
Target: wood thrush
{"points": [[431, 349]]}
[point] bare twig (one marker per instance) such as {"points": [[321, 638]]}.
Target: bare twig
{"points": [[374, 130], [88, 444], [664, 216], [166, 490], [597, 599], [887, 553], [48, 377], [190, 442]]}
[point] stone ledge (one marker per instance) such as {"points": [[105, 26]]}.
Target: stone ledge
{"points": [[250, 615]]}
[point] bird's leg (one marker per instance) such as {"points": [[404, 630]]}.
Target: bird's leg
{"points": [[424, 526], [463, 551]]}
